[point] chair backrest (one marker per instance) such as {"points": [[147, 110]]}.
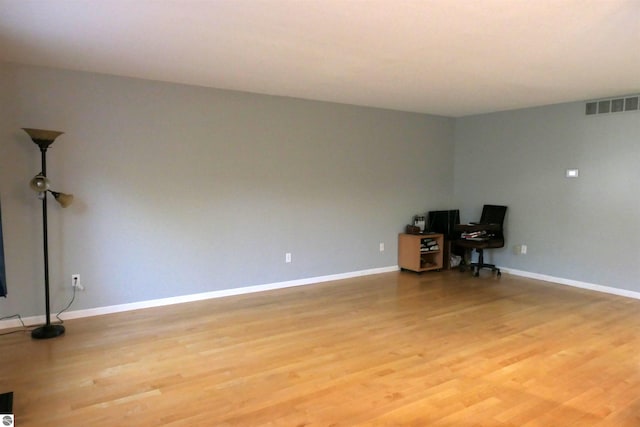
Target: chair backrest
{"points": [[493, 214]]}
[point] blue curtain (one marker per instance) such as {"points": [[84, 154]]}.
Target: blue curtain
{"points": [[3, 275]]}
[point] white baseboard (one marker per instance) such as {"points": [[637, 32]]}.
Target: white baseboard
{"points": [[38, 320], [573, 283]]}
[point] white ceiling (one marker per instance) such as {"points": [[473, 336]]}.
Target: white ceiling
{"points": [[444, 57]]}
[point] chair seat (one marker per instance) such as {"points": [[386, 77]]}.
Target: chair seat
{"points": [[480, 244]]}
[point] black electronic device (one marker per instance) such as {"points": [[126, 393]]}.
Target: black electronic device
{"points": [[6, 403], [444, 222]]}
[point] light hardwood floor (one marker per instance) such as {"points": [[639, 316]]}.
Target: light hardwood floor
{"points": [[395, 349]]}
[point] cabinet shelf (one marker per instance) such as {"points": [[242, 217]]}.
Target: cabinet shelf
{"points": [[412, 257]]}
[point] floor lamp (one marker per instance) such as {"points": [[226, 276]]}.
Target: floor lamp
{"points": [[40, 183]]}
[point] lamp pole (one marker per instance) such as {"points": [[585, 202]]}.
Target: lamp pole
{"points": [[48, 330]]}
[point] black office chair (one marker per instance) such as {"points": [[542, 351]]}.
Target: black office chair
{"points": [[486, 234]]}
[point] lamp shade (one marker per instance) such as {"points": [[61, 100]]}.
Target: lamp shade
{"points": [[63, 199], [40, 183], [42, 137]]}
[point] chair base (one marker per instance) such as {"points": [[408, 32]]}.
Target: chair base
{"points": [[477, 266]]}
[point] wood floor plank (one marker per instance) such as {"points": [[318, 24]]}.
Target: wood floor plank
{"points": [[394, 349]]}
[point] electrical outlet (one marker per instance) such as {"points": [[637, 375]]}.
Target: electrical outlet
{"points": [[520, 249], [75, 282], [381, 247], [287, 257]]}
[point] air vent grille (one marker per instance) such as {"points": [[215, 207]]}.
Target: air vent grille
{"points": [[614, 105]]}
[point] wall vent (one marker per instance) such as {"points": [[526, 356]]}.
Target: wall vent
{"points": [[614, 105]]}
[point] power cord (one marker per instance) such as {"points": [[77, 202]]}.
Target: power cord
{"points": [[73, 298], [25, 328]]}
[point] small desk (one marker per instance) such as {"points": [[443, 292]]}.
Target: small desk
{"points": [[412, 255]]}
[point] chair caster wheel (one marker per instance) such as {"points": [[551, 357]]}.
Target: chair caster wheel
{"points": [[499, 274]]}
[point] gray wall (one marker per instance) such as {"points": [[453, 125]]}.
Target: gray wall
{"points": [[582, 229], [181, 190]]}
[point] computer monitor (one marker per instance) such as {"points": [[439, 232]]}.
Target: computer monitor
{"points": [[443, 222]]}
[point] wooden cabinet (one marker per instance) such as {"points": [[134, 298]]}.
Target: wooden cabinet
{"points": [[420, 252]]}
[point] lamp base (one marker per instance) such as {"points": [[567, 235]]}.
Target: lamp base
{"points": [[47, 331]]}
